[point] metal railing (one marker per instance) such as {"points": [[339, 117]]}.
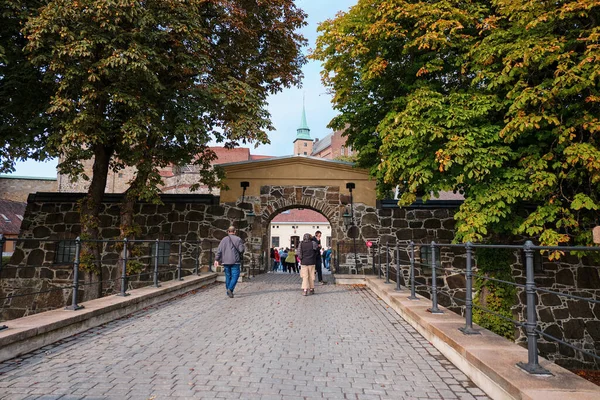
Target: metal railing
{"points": [[150, 262], [530, 325]]}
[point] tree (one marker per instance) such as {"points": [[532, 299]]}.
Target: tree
{"points": [[495, 99], [148, 84], [24, 126]]}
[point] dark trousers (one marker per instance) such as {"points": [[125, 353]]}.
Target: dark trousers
{"points": [[319, 271]]}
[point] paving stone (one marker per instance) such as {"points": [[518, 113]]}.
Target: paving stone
{"points": [[268, 342]]}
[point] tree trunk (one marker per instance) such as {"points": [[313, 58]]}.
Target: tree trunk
{"points": [[90, 210]]}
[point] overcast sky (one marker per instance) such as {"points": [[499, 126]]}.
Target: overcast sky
{"points": [[285, 107]]}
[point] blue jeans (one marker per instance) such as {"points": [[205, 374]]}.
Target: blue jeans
{"points": [[232, 273]]}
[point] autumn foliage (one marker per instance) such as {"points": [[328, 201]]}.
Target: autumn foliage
{"points": [[498, 100]]}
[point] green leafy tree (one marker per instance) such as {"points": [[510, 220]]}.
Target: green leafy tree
{"points": [[24, 94], [497, 100], [148, 84]]}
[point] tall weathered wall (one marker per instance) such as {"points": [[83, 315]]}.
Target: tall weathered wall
{"points": [[18, 188]]}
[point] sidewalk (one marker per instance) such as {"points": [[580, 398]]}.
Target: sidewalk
{"points": [[269, 342]]}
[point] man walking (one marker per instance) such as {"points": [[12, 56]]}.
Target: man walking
{"points": [[229, 254], [307, 252], [317, 239]]}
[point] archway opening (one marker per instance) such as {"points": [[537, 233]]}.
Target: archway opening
{"points": [[286, 229]]}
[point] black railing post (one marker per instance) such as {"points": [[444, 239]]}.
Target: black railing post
{"points": [[434, 305], [2, 241], [387, 262], [532, 366], [374, 247], [337, 258], [412, 272], [397, 267], [468, 328], [157, 245], [179, 255], [379, 260], [210, 258], [74, 306], [197, 258], [124, 271]]}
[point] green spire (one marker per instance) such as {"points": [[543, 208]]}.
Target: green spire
{"points": [[303, 131]]}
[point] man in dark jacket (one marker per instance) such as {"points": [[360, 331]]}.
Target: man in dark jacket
{"points": [[317, 240], [229, 253], [307, 253]]}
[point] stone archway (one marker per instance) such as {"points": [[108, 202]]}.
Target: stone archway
{"points": [[326, 200], [277, 184]]}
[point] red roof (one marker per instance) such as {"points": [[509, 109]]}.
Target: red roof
{"points": [[11, 216], [300, 215]]}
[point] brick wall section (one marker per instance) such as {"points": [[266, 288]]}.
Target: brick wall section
{"points": [[18, 188]]}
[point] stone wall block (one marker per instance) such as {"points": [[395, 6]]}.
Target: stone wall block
{"points": [[449, 224], [41, 232], [48, 208], [561, 313], [432, 224], [415, 224], [441, 213], [194, 216], [180, 228], [445, 235], [574, 329], [72, 217], [35, 258], [216, 211], [423, 214], [593, 329], [156, 219], [419, 234], [545, 315], [54, 218], [588, 278], [580, 309], [457, 281]]}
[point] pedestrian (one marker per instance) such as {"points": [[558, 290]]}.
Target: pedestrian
{"points": [[276, 260], [229, 254], [307, 252], [283, 257], [290, 260], [317, 240], [327, 258]]}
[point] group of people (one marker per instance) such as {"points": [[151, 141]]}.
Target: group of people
{"points": [[306, 259]]}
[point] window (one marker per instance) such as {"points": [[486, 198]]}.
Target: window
{"points": [[426, 258], [328, 241], [275, 241], [304, 153], [65, 252], [305, 145], [342, 150], [164, 251]]}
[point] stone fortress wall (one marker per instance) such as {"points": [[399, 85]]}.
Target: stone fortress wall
{"points": [[202, 220]]}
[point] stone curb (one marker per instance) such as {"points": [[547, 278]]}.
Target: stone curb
{"points": [[489, 360], [33, 332]]}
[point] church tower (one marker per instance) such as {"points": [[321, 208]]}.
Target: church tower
{"points": [[303, 145]]}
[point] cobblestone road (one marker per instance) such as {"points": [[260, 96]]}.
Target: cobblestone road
{"points": [[269, 342]]}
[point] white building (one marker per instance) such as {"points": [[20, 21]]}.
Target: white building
{"points": [[288, 227]]}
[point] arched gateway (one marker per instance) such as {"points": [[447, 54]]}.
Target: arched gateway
{"points": [[279, 184]]}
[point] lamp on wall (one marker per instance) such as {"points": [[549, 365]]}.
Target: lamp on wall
{"points": [[250, 214]]}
